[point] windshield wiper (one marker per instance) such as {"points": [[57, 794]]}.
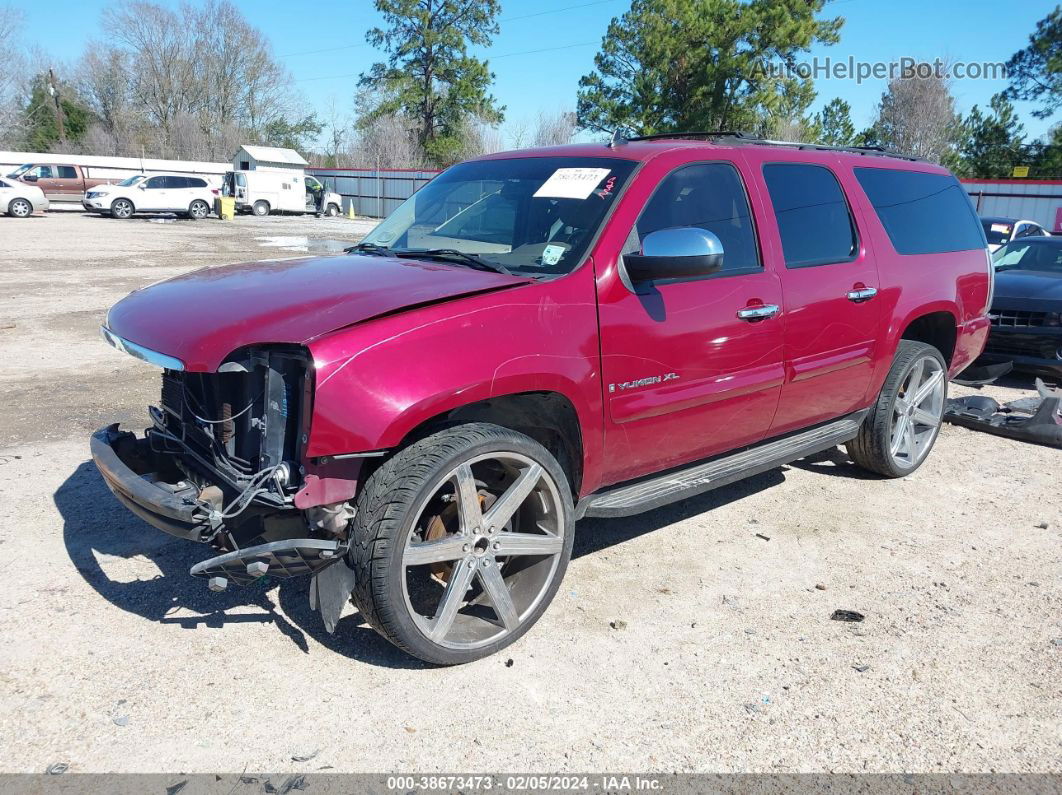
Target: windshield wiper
{"points": [[368, 248], [452, 254]]}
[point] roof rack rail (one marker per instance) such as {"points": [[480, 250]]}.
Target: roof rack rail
{"points": [[748, 138]]}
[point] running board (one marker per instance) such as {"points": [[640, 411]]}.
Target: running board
{"points": [[629, 498]]}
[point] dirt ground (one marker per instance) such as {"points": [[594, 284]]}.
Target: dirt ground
{"points": [[723, 656]]}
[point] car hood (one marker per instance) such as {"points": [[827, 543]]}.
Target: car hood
{"points": [[203, 316], [1039, 285]]}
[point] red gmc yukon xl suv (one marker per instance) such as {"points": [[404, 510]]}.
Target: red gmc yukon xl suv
{"points": [[539, 336]]}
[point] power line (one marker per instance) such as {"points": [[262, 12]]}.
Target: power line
{"points": [[488, 58], [503, 19], [557, 10]]}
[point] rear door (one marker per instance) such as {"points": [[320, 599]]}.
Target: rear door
{"points": [[68, 181], [829, 284], [685, 376]]}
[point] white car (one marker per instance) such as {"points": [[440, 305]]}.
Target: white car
{"points": [[20, 200], [152, 193], [1000, 231]]}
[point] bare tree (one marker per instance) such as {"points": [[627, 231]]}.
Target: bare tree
{"points": [[103, 81], [386, 141], [917, 116], [554, 128], [201, 79], [12, 74]]}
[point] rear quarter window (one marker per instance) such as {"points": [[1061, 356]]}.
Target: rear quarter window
{"points": [[922, 213]]}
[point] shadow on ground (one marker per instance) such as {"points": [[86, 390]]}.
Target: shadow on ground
{"points": [[95, 525]]}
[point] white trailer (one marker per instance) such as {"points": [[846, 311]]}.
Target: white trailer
{"points": [[288, 191]]}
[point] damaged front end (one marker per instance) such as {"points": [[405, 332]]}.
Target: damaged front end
{"points": [[222, 464]]}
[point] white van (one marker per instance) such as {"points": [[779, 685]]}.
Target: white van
{"points": [[265, 192]]}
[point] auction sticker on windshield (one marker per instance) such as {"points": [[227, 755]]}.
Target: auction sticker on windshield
{"points": [[571, 183]]}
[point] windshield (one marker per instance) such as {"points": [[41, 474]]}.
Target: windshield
{"points": [[1029, 255], [530, 214], [125, 183], [997, 232], [18, 172]]}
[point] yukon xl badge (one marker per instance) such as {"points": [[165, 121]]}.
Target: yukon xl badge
{"points": [[652, 379]]}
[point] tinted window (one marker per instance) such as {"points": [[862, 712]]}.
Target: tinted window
{"points": [[813, 218], [67, 172], [195, 182], [922, 213], [1043, 255], [4, 184], [156, 183], [997, 232], [710, 196]]}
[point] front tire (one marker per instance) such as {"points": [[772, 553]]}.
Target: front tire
{"points": [[460, 542], [20, 208], [260, 208], [122, 208], [904, 422], [332, 211]]}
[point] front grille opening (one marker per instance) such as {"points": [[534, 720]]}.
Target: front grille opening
{"points": [[1016, 318], [236, 424]]}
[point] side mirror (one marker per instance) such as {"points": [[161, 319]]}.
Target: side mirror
{"points": [[29, 178], [682, 252], [142, 185]]}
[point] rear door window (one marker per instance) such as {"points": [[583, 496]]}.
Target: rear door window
{"points": [[814, 221], [925, 213], [709, 196], [67, 172]]}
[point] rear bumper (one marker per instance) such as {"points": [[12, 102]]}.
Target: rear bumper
{"points": [[126, 464]]}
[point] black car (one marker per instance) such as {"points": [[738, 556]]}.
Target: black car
{"points": [[1026, 311]]}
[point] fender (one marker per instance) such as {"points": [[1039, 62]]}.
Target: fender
{"points": [[377, 381]]}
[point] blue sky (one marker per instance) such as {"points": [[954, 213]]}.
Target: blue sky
{"points": [[542, 51]]}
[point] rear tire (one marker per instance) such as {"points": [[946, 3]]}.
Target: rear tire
{"points": [[122, 208], [475, 513], [20, 208], [260, 208], [198, 210], [904, 422]]}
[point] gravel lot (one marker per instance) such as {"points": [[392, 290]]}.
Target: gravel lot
{"points": [[723, 657]]}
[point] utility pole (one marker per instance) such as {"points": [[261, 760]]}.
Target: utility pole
{"points": [[54, 91]]}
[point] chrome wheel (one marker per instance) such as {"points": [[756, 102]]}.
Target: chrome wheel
{"points": [[483, 550], [122, 209], [199, 210], [20, 208], [917, 412]]}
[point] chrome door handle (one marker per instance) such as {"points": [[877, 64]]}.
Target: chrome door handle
{"points": [[863, 294], [758, 312]]}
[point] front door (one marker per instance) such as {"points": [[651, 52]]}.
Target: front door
{"points": [[829, 284], [685, 375], [155, 195]]}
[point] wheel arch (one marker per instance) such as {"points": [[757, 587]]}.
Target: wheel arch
{"points": [[939, 328], [548, 417]]}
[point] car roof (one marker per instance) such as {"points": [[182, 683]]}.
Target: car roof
{"points": [[1002, 219], [1054, 240], [714, 144]]}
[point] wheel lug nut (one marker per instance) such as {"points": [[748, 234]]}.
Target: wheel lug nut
{"points": [[471, 564], [466, 548], [497, 544]]}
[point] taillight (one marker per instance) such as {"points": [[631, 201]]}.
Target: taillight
{"points": [[215, 191]]}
